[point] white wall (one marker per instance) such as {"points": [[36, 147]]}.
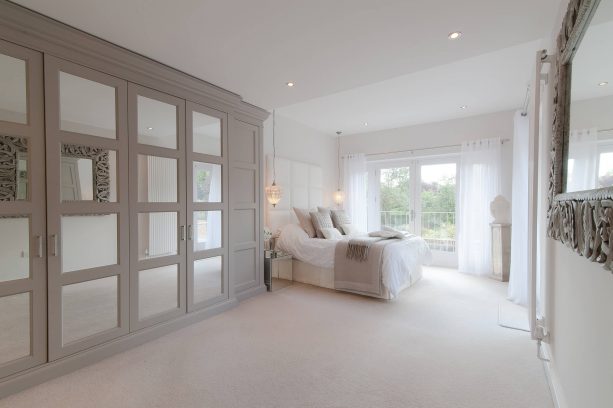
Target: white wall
{"points": [[437, 134], [296, 141], [580, 301]]}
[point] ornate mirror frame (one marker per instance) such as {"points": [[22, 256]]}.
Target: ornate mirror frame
{"points": [[582, 220]]}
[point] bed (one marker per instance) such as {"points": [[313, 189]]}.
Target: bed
{"points": [[314, 261]]}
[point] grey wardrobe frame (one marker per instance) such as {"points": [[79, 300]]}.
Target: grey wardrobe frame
{"points": [[56, 208], [33, 208], [52, 39], [192, 205]]}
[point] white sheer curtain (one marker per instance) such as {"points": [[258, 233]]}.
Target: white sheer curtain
{"points": [[518, 280], [479, 184], [356, 179], [582, 159]]}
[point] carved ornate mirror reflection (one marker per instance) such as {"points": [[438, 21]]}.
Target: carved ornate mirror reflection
{"points": [[581, 176]]}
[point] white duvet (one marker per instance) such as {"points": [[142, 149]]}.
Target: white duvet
{"points": [[402, 260]]}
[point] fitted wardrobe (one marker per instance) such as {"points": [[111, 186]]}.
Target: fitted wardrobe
{"points": [[130, 199]]}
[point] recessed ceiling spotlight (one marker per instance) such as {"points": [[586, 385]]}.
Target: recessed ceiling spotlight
{"points": [[464, 107], [603, 83], [290, 84], [455, 35], [365, 123], [149, 128]]}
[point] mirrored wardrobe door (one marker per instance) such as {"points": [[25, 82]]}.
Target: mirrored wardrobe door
{"points": [[23, 303], [207, 206], [157, 206], [87, 206]]}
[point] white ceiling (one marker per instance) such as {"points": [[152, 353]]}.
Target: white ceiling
{"points": [[491, 82], [254, 47]]}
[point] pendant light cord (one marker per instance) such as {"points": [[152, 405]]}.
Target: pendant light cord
{"points": [[338, 159], [274, 150]]}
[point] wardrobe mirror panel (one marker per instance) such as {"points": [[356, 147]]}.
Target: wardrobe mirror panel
{"points": [[87, 107], [207, 182], [88, 241], [158, 290], [14, 248], [88, 174], [89, 308], [14, 178], [206, 134], [157, 234], [207, 230], [157, 123], [157, 179], [208, 278], [15, 336], [14, 95]]}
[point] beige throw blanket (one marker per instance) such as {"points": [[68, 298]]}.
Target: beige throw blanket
{"points": [[357, 265]]}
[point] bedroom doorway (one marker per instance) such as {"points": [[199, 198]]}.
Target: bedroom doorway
{"points": [[417, 196]]}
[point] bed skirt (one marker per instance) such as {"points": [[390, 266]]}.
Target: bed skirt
{"points": [[323, 277]]}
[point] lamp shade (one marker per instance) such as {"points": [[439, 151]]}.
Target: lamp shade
{"points": [[338, 197], [273, 194]]}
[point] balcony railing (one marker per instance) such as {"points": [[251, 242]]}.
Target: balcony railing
{"points": [[437, 227]]}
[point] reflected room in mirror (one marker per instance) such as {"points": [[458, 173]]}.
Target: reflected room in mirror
{"points": [[589, 139]]}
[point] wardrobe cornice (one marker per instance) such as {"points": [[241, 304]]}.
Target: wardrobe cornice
{"points": [[28, 28]]}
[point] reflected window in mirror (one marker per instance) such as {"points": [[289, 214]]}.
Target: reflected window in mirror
{"points": [[589, 164], [207, 183]]}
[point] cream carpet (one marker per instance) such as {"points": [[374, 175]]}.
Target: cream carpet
{"points": [[438, 345]]}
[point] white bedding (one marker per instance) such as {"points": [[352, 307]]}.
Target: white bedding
{"points": [[402, 260]]}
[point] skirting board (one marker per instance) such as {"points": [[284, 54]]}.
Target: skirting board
{"points": [[54, 369], [552, 379], [246, 294]]}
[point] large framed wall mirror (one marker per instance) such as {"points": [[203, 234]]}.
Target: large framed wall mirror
{"points": [[581, 177]]}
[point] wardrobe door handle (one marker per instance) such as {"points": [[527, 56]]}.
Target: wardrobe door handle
{"points": [[182, 232], [53, 244], [190, 235], [39, 246]]}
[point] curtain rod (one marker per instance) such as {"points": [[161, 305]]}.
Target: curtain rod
{"points": [[424, 148]]}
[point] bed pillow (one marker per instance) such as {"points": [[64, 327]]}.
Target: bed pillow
{"points": [[332, 234], [321, 221], [304, 219], [329, 212], [340, 218]]}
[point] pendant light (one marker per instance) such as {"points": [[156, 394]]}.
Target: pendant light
{"points": [[339, 195], [273, 192]]}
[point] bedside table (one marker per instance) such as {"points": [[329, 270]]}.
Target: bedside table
{"points": [[277, 270]]}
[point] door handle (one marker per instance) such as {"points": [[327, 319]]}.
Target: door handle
{"points": [[39, 246], [182, 232], [53, 244], [190, 235]]}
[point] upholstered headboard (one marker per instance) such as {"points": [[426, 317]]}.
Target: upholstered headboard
{"points": [[302, 187]]}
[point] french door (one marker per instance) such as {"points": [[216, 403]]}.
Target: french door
{"points": [[417, 196], [23, 279]]}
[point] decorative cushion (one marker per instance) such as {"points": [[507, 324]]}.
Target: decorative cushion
{"points": [[304, 218], [340, 218], [329, 211], [332, 234], [350, 229], [321, 221]]}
